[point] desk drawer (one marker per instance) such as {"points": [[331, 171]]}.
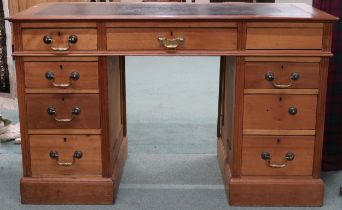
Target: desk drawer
{"points": [[280, 112], [63, 111], [80, 154], [61, 75], [59, 39], [215, 39], [281, 75], [277, 155], [284, 36]]}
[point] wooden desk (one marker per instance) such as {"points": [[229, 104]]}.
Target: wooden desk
{"points": [[71, 89]]}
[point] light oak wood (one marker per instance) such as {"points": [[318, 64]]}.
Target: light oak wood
{"points": [[324, 68], [38, 117], [228, 106], [284, 38], [26, 158], [271, 112], [33, 39], [255, 75], [65, 131], [55, 25], [284, 25], [119, 165], [172, 24], [269, 191], [278, 147], [239, 53], [223, 165], [60, 59], [194, 39], [252, 114], [285, 59], [64, 91], [276, 192], [238, 117], [279, 132], [75, 191], [115, 110], [44, 166], [13, 6], [282, 91], [35, 75], [66, 190]]}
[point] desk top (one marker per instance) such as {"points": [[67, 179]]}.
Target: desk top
{"points": [[171, 11]]}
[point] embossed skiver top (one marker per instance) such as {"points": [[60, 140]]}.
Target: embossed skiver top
{"points": [[169, 11]]}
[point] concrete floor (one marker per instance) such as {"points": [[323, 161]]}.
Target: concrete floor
{"points": [[172, 107]]}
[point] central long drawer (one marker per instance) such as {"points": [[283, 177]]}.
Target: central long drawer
{"points": [[216, 39]]}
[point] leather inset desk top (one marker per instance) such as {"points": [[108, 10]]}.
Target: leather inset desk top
{"points": [[107, 11]]}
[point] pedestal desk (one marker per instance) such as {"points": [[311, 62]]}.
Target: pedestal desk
{"points": [[71, 89]]}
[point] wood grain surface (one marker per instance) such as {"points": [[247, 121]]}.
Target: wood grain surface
{"points": [[278, 147], [88, 166], [271, 112], [38, 118]]}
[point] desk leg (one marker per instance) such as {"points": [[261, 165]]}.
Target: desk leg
{"points": [[116, 118], [230, 100]]}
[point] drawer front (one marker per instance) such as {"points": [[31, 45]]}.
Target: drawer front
{"points": [[284, 38], [193, 39], [280, 112], [277, 155], [63, 111], [59, 39], [279, 75], [61, 75], [53, 155]]}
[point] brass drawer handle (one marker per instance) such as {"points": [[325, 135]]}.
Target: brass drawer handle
{"points": [[54, 155], [49, 41], [171, 43], [74, 76], [267, 157], [270, 76], [74, 112]]}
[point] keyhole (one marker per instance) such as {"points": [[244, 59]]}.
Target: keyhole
{"points": [[65, 139], [282, 67], [59, 33], [278, 141], [62, 98], [280, 99], [61, 67], [171, 33]]}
